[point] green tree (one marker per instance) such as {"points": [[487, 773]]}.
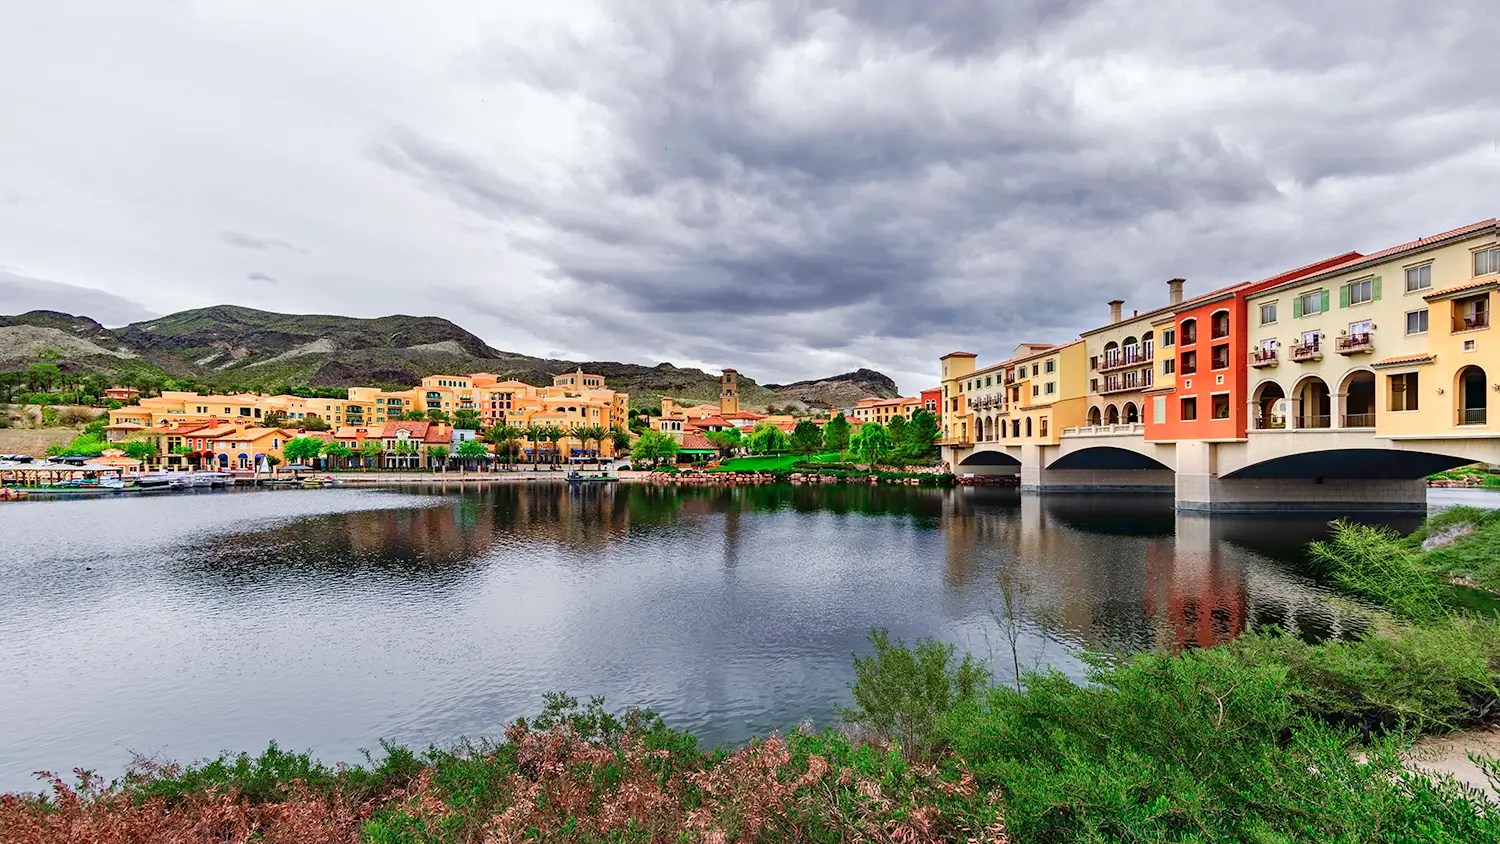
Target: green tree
{"points": [[9, 381], [437, 456], [40, 377], [652, 448], [768, 439], [470, 451], [726, 441], [546, 434], [140, 450], [272, 461], [467, 419], [918, 440], [872, 444], [836, 434], [369, 452], [303, 449], [894, 427], [436, 415], [339, 452], [314, 422], [621, 439], [506, 439], [274, 419], [413, 416], [807, 438]]}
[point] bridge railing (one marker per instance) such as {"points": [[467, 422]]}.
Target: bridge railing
{"points": [[1105, 430]]}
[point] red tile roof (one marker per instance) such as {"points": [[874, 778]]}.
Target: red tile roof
{"points": [[712, 421], [693, 439], [1400, 359], [437, 434], [414, 430], [1424, 241]]}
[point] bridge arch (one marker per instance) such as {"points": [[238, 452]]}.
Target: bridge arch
{"points": [[1103, 457], [1352, 464], [989, 458]]}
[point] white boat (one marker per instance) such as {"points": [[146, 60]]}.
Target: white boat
{"points": [[207, 478]]}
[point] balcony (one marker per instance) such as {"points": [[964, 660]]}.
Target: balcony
{"points": [[1359, 420], [1473, 415], [1472, 321], [1323, 421], [955, 441], [1105, 430], [1304, 352], [1265, 357], [1130, 357], [1127, 384], [1355, 344]]}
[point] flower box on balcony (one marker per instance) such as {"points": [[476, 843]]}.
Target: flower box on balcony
{"points": [[1307, 351], [1356, 344]]}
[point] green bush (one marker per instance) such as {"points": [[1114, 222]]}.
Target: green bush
{"points": [[900, 692], [1372, 561]]}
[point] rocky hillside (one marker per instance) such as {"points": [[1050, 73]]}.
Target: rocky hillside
{"points": [[840, 390], [230, 347]]}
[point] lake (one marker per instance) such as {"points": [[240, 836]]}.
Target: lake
{"points": [[179, 626]]}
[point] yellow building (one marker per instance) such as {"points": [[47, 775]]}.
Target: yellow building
{"points": [[1025, 400], [883, 410], [1397, 341]]}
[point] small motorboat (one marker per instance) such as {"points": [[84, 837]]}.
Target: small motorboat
{"points": [[576, 477]]}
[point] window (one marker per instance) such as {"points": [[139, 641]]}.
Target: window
{"points": [[1221, 405], [1035, 370], [1307, 304], [1416, 322], [1487, 260], [1051, 387], [1418, 278], [1471, 345], [1093, 363], [1189, 363], [1189, 409], [1043, 430], [1169, 366], [1359, 292], [1268, 313], [1189, 332], [1093, 385], [1403, 391], [1219, 325], [1158, 409], [1036, 389], [1051, 366], [987, 381], [1220, 358], [1168, 338]]}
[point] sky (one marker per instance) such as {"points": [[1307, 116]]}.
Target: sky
{"points": [[793, 189]]}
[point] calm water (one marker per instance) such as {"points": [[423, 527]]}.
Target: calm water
{"points": [[185, 625]]}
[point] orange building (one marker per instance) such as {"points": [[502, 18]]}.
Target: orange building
{"points": [[1208, 399]]}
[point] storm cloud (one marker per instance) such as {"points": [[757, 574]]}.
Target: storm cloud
{"points": [[793, 189]]}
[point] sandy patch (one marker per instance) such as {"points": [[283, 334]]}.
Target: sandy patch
{"points": [[1450, 755]]}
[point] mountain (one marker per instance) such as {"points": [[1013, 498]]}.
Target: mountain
{"points": [[840, 390], [231, 347]]}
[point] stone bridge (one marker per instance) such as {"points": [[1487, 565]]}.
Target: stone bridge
{"points": [[1332, 469]]}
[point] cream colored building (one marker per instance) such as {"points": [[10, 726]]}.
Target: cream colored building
{"points": [[1025, 400], [1122, 360], [1399, 341]]}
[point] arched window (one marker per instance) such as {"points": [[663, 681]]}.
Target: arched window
{"points": [[1111, 415], [1473, 403], [1095, 417], [1028, 426], [1132, 415], [1189, 333]]}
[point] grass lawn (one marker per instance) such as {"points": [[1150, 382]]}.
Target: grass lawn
{"points": [[773, 462]]}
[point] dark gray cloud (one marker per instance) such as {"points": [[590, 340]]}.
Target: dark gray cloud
{"points": [[20, 293], [250, 241], [883, 181], [790, 187]]}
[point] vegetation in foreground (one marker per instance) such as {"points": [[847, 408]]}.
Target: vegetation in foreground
{"points": [[1267, 739]]}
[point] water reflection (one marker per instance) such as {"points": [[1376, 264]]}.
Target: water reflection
{"points": [[328, 619]]}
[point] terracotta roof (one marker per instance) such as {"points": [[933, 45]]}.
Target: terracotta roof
{"points": [[316, 435], [694, 440], [1400, 359], [437, 434], [350, 432], [416, 430], [716, 421], [124, 426], [1419, 243], [960, 355], [1471, 284]]}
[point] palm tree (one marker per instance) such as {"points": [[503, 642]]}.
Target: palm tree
{"points": [[596, 435], [553, 434], [503, 437]]}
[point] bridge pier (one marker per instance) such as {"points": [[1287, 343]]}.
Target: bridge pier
{"points": [[1199, 487]]}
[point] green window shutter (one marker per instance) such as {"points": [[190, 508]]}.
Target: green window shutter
{"points": [[1344, 296], [1296, 306], [1375, 289], [1325, 302]]}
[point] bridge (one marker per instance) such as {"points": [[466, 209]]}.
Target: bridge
{"points": [[1268, 470]]}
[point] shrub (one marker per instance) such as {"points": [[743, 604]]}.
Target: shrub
{"points": [[1372, 562], [76, 415], [900, 692]]}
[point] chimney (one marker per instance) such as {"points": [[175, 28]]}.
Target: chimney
{"points": [[1114, 310], [1175, 285]]}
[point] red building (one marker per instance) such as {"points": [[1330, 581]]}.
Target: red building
{"points": [[931, 399], [1209, 398]]}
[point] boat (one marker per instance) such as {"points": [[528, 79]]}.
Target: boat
{"points": [[11, 494], [209, 478], [576, 477]]}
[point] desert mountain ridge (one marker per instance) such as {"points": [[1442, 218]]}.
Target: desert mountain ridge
{"points": [[232, 347]]}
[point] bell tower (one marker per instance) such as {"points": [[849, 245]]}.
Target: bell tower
{"points": [[729, 392]]}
